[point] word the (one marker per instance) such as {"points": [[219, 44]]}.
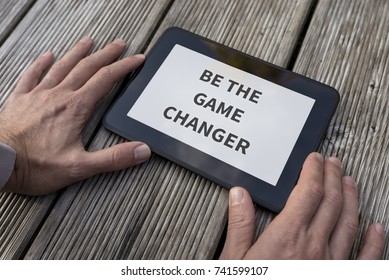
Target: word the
{"points": [[236, 88]]}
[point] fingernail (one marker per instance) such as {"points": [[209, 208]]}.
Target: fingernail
{"points": [[379, 228], [335, 161], [48, 53], [140, 55], [142, 153], [85, 39], [119, 42], [236, 196]]}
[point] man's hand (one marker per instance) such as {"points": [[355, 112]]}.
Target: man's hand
{"points": [[43, 119], [319, 221]]}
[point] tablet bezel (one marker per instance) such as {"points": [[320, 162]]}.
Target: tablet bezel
{"points": [[272, 197]]}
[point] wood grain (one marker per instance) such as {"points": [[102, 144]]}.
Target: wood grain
{"points": [[11, 12], [56, 26], [347, 46], [160, 210]]}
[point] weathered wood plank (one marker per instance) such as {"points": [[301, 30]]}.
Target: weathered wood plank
{"points": [[160, 210], [265, 29], [347, 47], [11, 11], [56, 26]]}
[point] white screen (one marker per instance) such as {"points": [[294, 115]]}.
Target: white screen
{"points": [[234, 116]]}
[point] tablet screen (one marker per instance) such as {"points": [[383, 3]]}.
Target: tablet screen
{"points": [[228, 116], [241, 119]]}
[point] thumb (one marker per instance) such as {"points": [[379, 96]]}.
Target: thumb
{"points": [[241, 225], [115, 158]]}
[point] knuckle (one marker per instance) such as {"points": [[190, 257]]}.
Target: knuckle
{"points": [[106, 73], [236, 221], [350, 191], [351, 227], [334, 198], [315, 189], [375, 247], [317, 250], [86, 63], [237, 218], [76, 169], [61, 64], [51, 79], [115, 160], [290, 240], [37, 64], [34, 71], [238, 224], [78, 105]]}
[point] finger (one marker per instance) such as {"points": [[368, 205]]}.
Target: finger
{"points": [[113, 158], [88, 66], [62, 68], [373, 243], [241, 224], [32, 75], [103, 81], [344, 234], [327, 214], [308, 193]]}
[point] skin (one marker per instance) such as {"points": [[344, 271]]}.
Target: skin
{"points": [[319, 221], [43, 119]]}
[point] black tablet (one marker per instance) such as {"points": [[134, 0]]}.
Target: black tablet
{"points": [[228, 116]]}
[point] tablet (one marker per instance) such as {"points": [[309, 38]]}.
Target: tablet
{"points": [[228, 116]]}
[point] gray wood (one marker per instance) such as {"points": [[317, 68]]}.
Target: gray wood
{"points": [[11, 12], [347, 46], [159, 210], [56, 26]]}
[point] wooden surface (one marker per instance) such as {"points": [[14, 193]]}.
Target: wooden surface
{"points": [[347, 47], [10, 14], [160, 210]]}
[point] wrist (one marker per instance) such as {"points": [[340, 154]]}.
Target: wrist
{"points": [[11, 159], [7, 164]]}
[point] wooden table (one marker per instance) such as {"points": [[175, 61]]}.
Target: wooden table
{"points": [[160, 210]]}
